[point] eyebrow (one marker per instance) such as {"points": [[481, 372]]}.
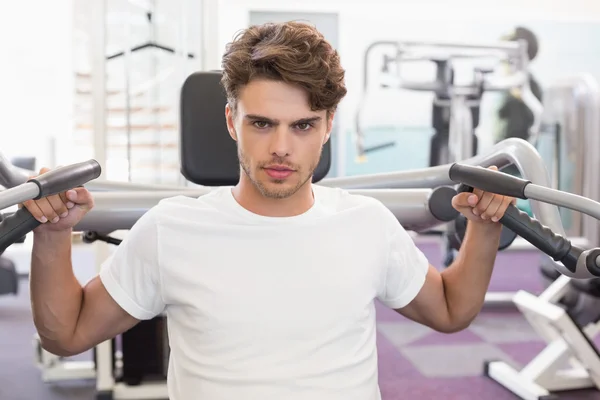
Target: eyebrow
{"points": [[254, 117]]}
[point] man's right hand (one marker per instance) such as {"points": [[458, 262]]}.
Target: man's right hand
{"points": [[61, 211]]}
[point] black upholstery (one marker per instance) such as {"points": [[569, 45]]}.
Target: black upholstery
{"points": [[208, 153]]}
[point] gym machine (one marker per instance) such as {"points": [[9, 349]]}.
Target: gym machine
{"points": [[416, 209], [420, 200], [570, 360], [455, 112]]}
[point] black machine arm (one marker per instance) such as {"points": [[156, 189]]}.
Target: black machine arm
{"points": [[579, 263], [17, 225]]}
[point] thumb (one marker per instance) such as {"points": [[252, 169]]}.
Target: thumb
{"points": [[465, 199], [80, 196]]}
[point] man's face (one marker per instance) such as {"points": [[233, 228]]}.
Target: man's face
{"points": [[279, 138]]}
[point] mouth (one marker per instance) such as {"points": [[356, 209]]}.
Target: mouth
{"points": [[279, 168], [278, 171]]}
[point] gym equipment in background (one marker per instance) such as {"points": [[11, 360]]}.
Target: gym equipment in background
{"points": [[514, 116], [567, 142], [420, 199], [455, 113], [570, 360]]}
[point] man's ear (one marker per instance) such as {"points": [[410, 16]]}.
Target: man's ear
{"points": [[229, 116]]}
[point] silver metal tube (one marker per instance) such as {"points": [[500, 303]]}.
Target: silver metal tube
{"points": [[365, 85], [121, 210], [10, 176], [510, 151], [563, 199], [111, 186], [98, 56], [409, 206], [18, 194], [418, 178], [460, 142], [506, 46], [127, 65]]}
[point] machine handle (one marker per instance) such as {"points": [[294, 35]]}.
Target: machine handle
{"points": [[530, 229], [64, 178], [542, 237], [15, 226], [489, 180]]}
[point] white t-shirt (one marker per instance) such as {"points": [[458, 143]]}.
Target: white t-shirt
{"points": [[267, 308]]}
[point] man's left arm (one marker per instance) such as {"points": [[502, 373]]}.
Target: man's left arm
{"points": [[448, 301]]}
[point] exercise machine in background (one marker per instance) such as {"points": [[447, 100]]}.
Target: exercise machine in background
{"points": [[501, 66]]}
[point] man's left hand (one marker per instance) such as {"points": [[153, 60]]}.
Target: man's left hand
{"points": [[480, 206]]}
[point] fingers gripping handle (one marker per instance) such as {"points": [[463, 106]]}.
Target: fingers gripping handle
{"points": [[64, 178], [530, 229], [489, 180], [15, 226]]}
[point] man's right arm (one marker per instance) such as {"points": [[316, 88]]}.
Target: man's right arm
{"points": [[70, 318]]}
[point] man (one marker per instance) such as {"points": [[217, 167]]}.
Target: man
{"points": [[268, 286]]}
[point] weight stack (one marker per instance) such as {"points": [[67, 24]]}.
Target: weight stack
{"points": [[145, 351]]}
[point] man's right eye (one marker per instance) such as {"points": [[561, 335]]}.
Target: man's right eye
{"points": [[261, 124]]}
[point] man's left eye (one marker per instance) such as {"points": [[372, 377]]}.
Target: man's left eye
{"points": [[303, 126]]}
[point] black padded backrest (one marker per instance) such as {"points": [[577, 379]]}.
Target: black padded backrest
{"points": [[208, 153]]}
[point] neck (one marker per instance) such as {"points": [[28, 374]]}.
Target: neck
{"points": [[249, 197]]}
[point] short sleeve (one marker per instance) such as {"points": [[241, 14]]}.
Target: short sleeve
{"points": [[131, 274], [405, 269]]}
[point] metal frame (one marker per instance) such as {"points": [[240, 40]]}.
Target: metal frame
{"points": [[575, 104], [406, 51], [54, 368], [568, 362]]}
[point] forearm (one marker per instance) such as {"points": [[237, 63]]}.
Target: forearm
{"points": [[467, 279], [56, 294]]}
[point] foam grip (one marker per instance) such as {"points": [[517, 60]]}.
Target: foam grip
{"points": [[542, 237], [64, 178], [15, 226], [488, 180]]}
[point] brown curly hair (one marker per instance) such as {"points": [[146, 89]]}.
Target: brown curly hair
{"points": [[293, 52]]}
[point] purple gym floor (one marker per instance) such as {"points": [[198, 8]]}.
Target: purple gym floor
{"points": [[415, 362]]}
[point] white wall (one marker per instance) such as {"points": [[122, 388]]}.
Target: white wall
{"points": [[36, 78], [363, 22], [35, 75]]}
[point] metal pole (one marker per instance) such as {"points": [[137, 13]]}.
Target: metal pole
{"points": [[210, 36], [154, 100], [183, 32], [98, 9], [98, 56], [127, 72]]}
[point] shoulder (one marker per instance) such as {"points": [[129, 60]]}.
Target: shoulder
{"points": [[212, 199], [184, 207], [344, 200]]}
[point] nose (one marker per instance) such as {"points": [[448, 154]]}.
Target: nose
{"points": [[280, 142]]}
